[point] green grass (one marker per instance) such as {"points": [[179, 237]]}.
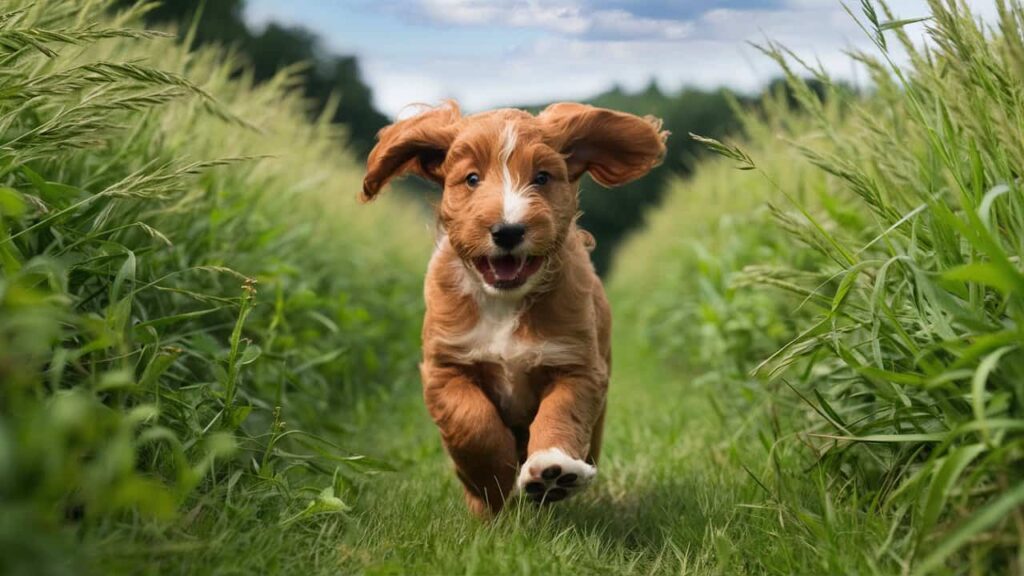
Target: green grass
{"points": [[674, 496], [207, 348], [187, 292], [866, 265]]}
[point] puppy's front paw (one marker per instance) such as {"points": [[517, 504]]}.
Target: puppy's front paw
{"points": [[552, 475]]}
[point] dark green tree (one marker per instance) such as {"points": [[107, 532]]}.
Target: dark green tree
{"points": [[275, 47], [609, 214], [221, 20], [612, 214]]}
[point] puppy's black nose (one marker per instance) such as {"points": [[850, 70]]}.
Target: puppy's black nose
{"points": [[508, 236]]}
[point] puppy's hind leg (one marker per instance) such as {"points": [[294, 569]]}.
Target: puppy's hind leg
{"points": [[481, 446], [487, 468]]}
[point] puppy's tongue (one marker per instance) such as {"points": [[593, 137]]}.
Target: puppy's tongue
{"points": [[507, 272], [505, 267]]}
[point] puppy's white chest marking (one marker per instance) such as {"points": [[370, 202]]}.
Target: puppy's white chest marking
{"points": [[493, 339]]}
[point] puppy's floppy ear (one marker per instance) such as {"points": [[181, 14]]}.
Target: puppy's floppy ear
{"points": [[416, 145], [614, 147]]}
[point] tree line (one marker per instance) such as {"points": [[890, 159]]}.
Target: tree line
{"points": [[277, 46], [610, 215]]}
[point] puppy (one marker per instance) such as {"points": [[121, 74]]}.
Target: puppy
{"points": [[516, 338]]}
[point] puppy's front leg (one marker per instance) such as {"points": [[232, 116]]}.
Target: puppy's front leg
{"points": [[560, 437], [482, 447]]}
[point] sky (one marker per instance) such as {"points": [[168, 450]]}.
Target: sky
{"points": [[492, 53]]}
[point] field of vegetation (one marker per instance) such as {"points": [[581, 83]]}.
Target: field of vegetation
{"points": [[208, 348], [189, 300], [850, 277]]}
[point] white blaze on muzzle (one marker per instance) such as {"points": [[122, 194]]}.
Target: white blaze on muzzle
{"points": [[514, 200]]}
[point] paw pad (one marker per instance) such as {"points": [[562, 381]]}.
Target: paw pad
{"points": [[552, 475]]}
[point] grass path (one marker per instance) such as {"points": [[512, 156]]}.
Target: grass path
{"points": [[664, 502], [673, 496]]}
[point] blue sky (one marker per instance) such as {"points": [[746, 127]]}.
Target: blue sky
{"points": [[488, 53]]}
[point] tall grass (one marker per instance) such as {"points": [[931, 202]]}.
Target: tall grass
{"points": [[871, 252], [188, 297]]}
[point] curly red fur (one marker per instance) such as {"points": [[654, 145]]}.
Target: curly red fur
{"points": [[510, 373]]}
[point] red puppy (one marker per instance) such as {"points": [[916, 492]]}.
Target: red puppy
{"points": [[516, 338]]}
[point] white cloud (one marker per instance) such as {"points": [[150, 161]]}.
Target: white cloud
{"points": [[557, 16], [569, 17], [394, 90], [709, 52], [569, 52], [620, 23]]}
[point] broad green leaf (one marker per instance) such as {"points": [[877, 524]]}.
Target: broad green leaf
{"points": [[125, 274], [844, 287], [326, 502], [894, 24], [890, 438], [943, 481], [981, 520], [987, 274], [250, 354], [986, 367], [175, 318], [11, 202], [157, 366], [116, 380]]}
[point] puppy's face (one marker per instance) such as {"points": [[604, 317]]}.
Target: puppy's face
{"points": [[508, 200], [511, 179]]}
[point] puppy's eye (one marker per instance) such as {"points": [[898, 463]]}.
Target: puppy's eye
{"points": [[541, 178], [472, 180]]}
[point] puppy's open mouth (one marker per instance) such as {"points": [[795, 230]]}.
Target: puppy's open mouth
{"points": [[507, 272]]}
